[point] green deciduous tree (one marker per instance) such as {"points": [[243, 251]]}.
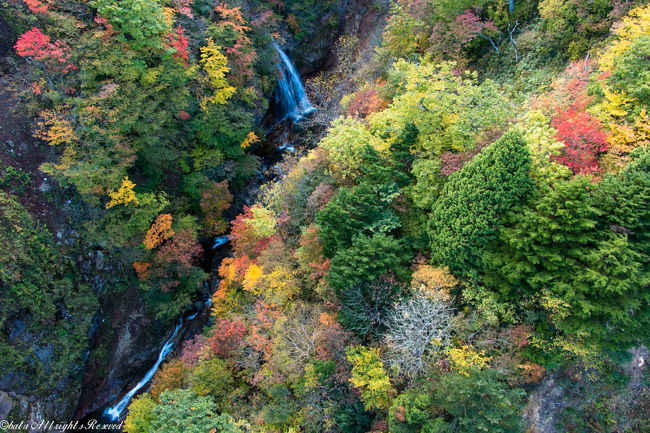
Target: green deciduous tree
{"points": [[345, 144], [140, 415], [139, 22], [212, 377], [413, 411], [449, 109], [631, 76], [571, 26]]}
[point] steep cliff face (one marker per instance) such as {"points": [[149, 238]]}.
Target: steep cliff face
{"points": [[125, 346], [557, 395], [7, 37], [47, 309], [363, 19]]}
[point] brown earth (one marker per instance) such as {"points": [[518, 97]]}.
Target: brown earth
{"points": [[20, 150]]}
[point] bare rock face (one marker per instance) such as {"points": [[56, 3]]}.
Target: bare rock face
{"points": [[29, 410], [358, 18], [6, 404], [7, 38], [549, 399], [133, 349], [543, 405]]}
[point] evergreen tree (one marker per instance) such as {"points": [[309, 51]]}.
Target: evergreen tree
{"points": [[625, 201], [351, 212], [583, 281], [468, 213], [368, 258], [479, 402], [401, 155]]}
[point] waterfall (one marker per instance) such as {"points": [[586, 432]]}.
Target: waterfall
{"points": [[115, 412], [221, 240], [290, 98]]}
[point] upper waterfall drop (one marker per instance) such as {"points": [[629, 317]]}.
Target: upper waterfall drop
{"points": [[290, 98]]}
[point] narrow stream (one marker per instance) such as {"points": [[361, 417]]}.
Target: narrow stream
{"points": [[291, 102]]}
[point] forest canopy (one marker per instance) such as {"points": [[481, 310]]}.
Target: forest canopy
{"points": [[461, 225]]}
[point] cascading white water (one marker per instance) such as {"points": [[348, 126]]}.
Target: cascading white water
{"points": [[220, 240], [115, 412], [290, 98]]}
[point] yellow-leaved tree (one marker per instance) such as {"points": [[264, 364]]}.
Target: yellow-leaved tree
{"points": [[215, 65], [124, 195], [54, 128], [465, 359], [250, 139], [636, 24], [369, 377], [621, 66]]}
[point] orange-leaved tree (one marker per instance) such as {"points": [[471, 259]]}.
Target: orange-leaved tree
{"points": [[160, 230]]}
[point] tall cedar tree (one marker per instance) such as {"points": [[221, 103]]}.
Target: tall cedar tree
{"points": [[468, 213], [584, 280], [353, 211]]}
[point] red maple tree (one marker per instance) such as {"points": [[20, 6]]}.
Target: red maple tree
{"points": [[33, 43], [583, 140], [178, 40], [184, 7], [226, 337], [36, 6]]}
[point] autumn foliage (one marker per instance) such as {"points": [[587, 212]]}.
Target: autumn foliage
{"points": [[39, 46], [250, 139], [183, 250], [109, 32], [245, 238], [226, 337], [36, 6], [365, 102], [160, 230], [419, 260], [240, 54], [215, 65], [53, 127], [142, 269], [124, 195], [214, 201], [583, 140], [178, 40], [184, 7], [170, 376], [194, 350]]}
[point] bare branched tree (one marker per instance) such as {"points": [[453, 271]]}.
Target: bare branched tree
{"points": [[298, 333], [417, 327]]}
